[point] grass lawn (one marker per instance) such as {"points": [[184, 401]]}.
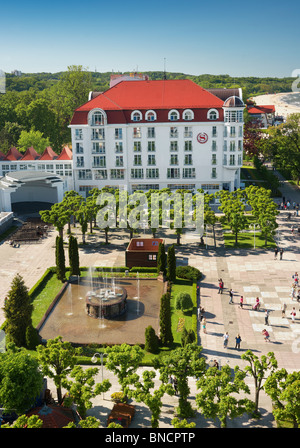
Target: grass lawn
{"points": [[178, 318], [246, 241]]}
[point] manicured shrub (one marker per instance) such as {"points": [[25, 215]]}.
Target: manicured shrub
{"points": [[184, 301], [188, 273], [151, 340]]}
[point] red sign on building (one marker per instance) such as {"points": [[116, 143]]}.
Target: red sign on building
{"points": [[202, 137]]}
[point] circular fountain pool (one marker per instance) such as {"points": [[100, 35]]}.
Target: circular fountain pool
{"points": [[106, 303]]}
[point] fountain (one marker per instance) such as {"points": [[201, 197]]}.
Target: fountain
{"points": [[106, 301]]}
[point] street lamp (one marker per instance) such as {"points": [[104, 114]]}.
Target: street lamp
{"points": [[94, 360]]}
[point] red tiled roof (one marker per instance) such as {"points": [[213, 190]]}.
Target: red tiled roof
{"points": [[30, 154], [66, 154], [144, 244], [48, 154], [13, 154], [145, 95], [53, 416], [261, 109]]}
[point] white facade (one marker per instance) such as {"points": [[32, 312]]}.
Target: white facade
{"points": [[143, 155]]}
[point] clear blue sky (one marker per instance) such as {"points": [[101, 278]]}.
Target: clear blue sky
{"points": [[239, 38]]}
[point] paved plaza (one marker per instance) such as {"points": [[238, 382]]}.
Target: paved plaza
{"points": [[250, 273]]}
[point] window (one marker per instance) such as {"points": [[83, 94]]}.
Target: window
{"points": [[232, 160], [188, 115], [119, 161], [151, 146], [136, 132], [173, 173], [188, 133], [232, 145], [234, 116], [137, 160], [214, 159], [225, 145], [151, 159], [173, 115], [188, 173], [98, 148], [232, 131], [137, 147], [99, 161], [118, 134], [79, 162], [188, 145], [240, 159], [188, 159], [98, 119], [152, 173], [100, 174], [151, 132], [174, 159], [213, 173], [214, 145], [137, 173], [212, 114], [240, 131], [214, 131], [116, 174], [84, 174], [225, 132], [78, 134], [174, 146], [151, 257], [136, 115], [79, 148], [119, 147], [225, 159], [240, 145], [98, 134], [173, 132], [150, 115]]}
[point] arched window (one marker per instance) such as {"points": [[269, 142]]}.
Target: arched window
{"points": [[212, 114], [136, 115], [97, 118], [188, 115], [173, 115], [150, 115]]}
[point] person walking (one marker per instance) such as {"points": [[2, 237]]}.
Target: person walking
{"points": [[293, 314], [266, 335], [241, 302], [221, 286], [280, 253], [225, 339], [275, 253], [238, 341], [267, 312], [283, 310], [204, 325], [230, 296]]}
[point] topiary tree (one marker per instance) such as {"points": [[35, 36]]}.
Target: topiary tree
{"points": [[151, 340], [161, 259], [60, 259], [166, 336], [187, 337], [17, 310], [73, 256], [171, 264], [184, 301]]}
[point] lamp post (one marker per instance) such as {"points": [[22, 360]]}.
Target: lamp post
{"points": [[94, 360]]}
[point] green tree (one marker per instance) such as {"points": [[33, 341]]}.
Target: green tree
{"points": [[151, 340], [57, 360], [258, 368], [17, 310], [165, 325], [25, 422], [123, 360], [56, 216], [73, 256], [171, 264], [60, 259], [284, 390], [161, 258], [21, 380], [182, 363], [184, 301], [33, 138], [219, 394], [84, 388], [233, 208]]}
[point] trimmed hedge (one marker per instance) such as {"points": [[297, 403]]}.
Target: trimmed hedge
{"points": [[188, 273]]}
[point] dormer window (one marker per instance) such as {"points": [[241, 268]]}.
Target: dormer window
{"points": [[136, 115], [173, 115], [188, 115], [150, 115], [213, 114], [97, 118]]}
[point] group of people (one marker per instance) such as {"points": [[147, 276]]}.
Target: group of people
{"points": [[276, 253]]}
